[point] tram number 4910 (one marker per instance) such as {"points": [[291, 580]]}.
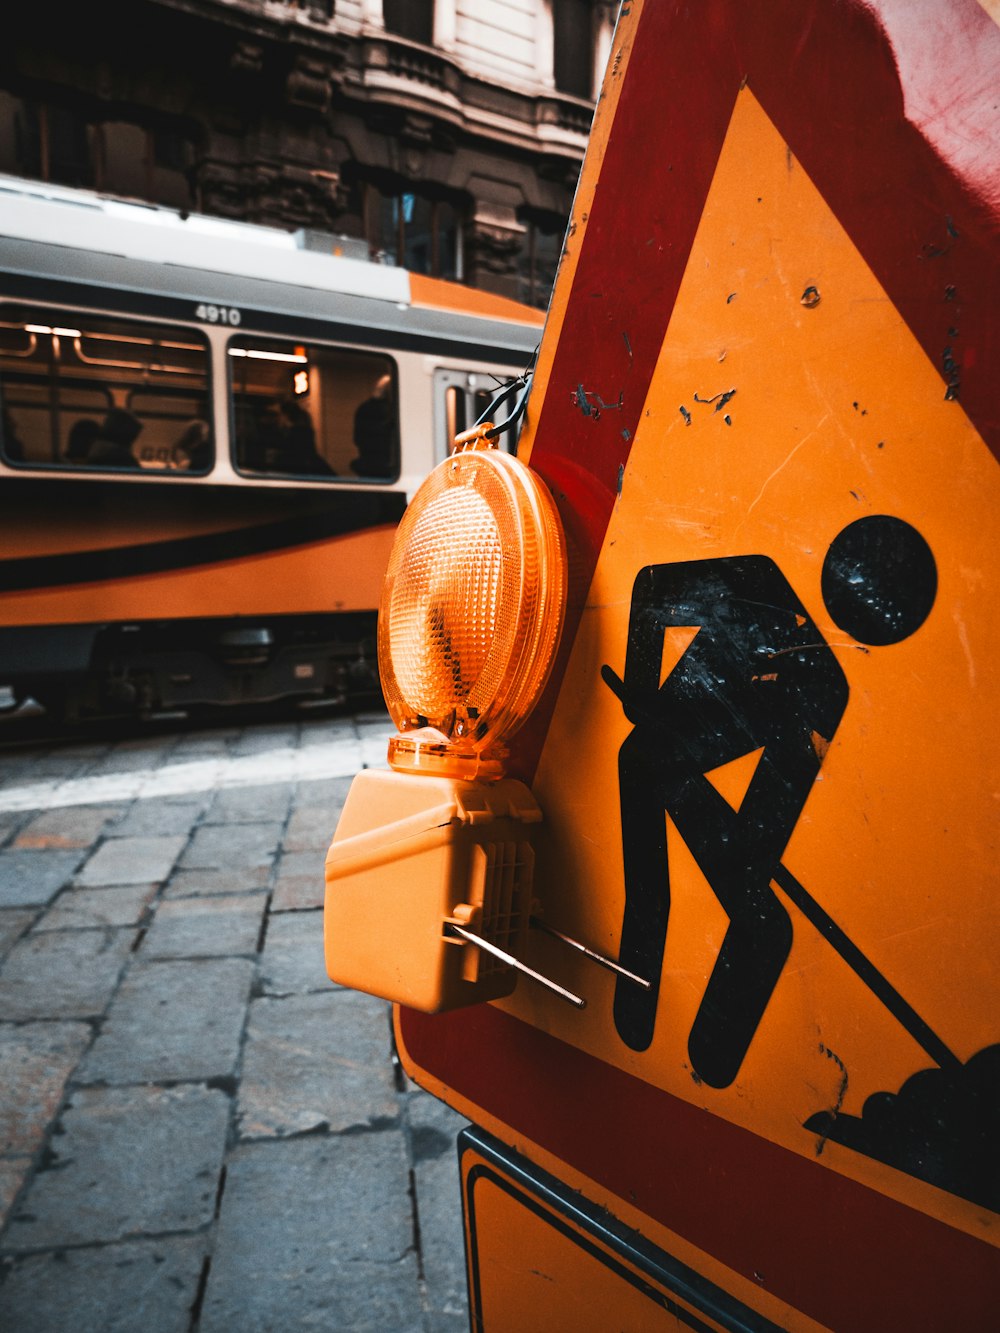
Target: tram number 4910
{"points": [[218, 314]]}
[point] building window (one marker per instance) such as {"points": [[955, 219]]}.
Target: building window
{"points": [[48, 142], [315, 9], [539, 257], [418, 230], [54, 144], [573, 41], [144, 164], [410, 18]]}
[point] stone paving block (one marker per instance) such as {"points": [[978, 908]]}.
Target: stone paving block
{"points": [[77, 908], [251, 805], [132, 756], [326, 730], [311, 1061], [55, 767], [310, 829], [68, 826], [14, 921], [62, 974], [315, 1234], [132, 861], [129, 1161], [202, 883], [205, 927], [35, 1062], [138, 1285], [299, 883], [189, 796], [261, 739], [232, 846], [10, 822], [434, 1131], [173, 1020], [16, 770], [13, 1173], [32, 878], [155, 818], [292, 960], [202, 745]]}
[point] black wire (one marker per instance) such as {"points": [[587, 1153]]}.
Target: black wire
{"points": [[521, 387]]}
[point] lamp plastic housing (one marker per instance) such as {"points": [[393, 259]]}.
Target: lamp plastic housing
{"points": [[471, 612], [412, 855]]}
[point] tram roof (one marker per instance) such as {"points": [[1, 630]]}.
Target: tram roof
{"points": [[80, 236]]}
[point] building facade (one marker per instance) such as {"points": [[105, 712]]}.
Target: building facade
{"points": [[445, 134]]}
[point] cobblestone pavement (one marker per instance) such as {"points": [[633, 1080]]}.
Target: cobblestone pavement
{"points": [[199, 1133]]}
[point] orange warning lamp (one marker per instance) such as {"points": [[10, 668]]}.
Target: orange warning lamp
{"points": [[471, 611], [429, 878]]}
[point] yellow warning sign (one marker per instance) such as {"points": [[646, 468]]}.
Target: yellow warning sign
{"points": [[795, 436]]}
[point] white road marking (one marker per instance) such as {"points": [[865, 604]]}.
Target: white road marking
{"points": [[333, 759]]}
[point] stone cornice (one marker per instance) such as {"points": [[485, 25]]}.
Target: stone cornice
{"points": [[371, 68]]}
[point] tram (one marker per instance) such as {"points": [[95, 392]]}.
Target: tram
{"points": [[209, 432], [682, 876]]}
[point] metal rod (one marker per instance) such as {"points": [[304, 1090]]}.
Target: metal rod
{"points": [[592, 954], [567, 995]]}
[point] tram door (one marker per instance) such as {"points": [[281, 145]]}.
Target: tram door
{"points": [[461, 397]]}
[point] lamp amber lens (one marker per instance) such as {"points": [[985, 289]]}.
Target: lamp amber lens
{"points": [[472, 605]]}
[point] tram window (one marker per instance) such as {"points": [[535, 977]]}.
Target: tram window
{"points": [[313, 411], [90, 391]]}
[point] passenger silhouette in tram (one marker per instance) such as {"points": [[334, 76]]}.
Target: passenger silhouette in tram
{"points": [[12, 446], [290, 441], [82, 435], [193, 449], [113, 446], [756, 676], [375, 433]]}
